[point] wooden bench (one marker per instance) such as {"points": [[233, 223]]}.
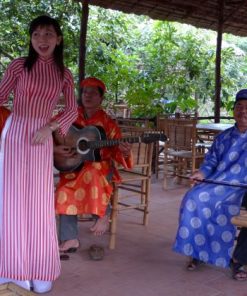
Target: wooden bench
{"points": [[10, 289]]}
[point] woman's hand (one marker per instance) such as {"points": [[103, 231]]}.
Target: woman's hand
{"points": [[125, 148], [42, 135], [197, 176]]}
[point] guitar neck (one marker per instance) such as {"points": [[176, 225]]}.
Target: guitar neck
{"points": [[113, 142]]}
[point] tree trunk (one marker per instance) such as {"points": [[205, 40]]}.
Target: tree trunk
{"points": [[217, 103]]}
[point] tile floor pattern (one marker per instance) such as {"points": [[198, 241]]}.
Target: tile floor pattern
{"points": [[142, 263]]}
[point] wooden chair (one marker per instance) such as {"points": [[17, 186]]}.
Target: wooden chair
{"points": [[159, 146], [241, 219], [133, 192], [182, 154], [132, 125], [133, 122]]}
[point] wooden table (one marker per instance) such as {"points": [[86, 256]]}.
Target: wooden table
{"points": [[213, 127], [207, 131]]}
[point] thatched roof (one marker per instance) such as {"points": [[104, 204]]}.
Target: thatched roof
{"points": [[200, 13]]}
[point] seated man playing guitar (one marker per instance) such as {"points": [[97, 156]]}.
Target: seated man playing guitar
{"points": [[87, 188]]}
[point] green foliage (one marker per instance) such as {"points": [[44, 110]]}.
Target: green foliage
{"points": [[16, 16], [154, 66]]}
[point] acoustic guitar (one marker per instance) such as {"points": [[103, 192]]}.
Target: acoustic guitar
{"points": [[85, 144]]}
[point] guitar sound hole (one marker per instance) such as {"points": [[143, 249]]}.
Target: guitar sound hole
{"points": [[82, 145]]}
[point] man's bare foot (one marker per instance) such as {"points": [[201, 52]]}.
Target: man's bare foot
{"points": [[100, 226], [69, 246]]}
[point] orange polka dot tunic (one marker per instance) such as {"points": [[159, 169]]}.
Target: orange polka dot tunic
{"points": [[88, 190], [4, 113]]}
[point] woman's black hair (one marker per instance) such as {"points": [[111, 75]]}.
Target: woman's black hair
{"points": [[32, 57]]}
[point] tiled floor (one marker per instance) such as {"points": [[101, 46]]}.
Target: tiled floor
{"points": [[143, 263]]}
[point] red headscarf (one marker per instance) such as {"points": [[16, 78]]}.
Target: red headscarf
{"points": [[93, 82]]}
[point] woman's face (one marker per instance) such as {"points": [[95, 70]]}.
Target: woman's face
{"points": [[240, 114], [91, 97], [44, 40]]}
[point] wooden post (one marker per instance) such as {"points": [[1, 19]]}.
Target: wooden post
{"points": [[82, 47], [114, 214], [217, 102]]}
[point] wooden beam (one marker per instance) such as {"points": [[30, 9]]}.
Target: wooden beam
{"points": [[83, 40]]}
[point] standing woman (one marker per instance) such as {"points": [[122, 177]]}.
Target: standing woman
{"points": [[29, 253]]}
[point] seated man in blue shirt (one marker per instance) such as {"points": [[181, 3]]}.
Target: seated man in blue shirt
{"points": [[205, 232]]}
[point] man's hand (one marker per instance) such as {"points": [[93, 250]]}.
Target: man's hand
{"points": [[197, 176], [63, 150]]}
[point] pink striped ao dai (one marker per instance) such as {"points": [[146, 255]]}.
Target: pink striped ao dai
{"points": [[28, 239]]}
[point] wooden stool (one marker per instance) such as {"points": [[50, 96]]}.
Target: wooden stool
{"points": [[11, 289]]}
